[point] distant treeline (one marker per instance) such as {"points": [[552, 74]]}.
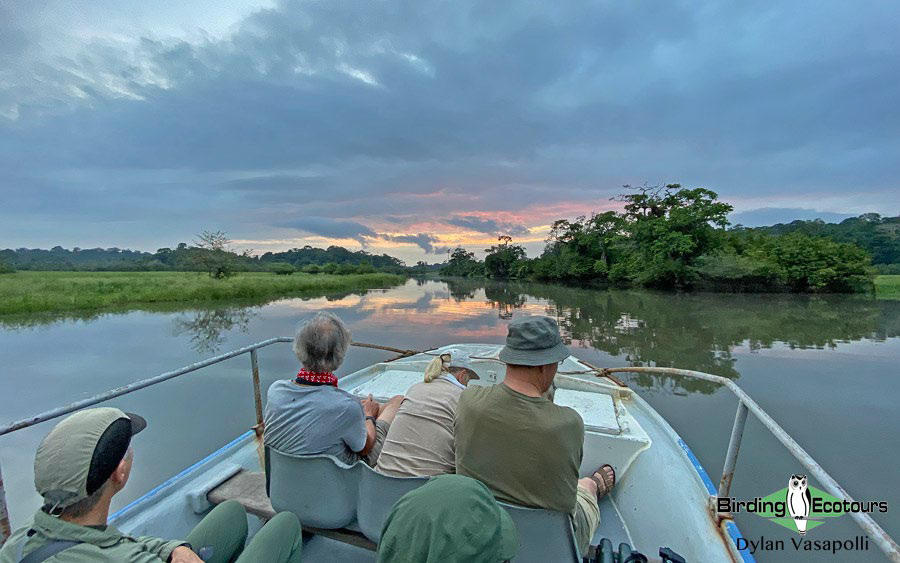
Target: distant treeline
{"points": [[675, 238], [184, 257], [877, 235]]}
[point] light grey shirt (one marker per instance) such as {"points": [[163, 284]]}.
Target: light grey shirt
{"points": [[420, 440], [310, 420]]}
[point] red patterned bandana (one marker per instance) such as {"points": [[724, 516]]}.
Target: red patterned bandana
{"points": [[306, 377]]}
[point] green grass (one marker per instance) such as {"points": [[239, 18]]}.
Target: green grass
{"points": [[887, 287], [59, 292]]}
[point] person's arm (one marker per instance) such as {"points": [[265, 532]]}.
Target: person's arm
{"points": [[370, 438], [163, 549], [371, 409]]}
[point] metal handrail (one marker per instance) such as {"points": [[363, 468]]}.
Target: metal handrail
{"points": [[745, 405], [5, 528]]}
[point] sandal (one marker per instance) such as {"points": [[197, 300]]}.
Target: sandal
{"points": [[606, 481]]}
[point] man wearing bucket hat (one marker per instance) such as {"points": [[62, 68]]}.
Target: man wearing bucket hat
{"points": [[449, 519], [525, 448], [420, 440], [81, 464]]}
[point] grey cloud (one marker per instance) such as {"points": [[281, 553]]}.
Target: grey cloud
{"points": [[422, 240], [331, 228], [358, 109], [487, 226]]}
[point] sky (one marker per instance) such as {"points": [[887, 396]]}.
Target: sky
{"points": [[410, 127]]}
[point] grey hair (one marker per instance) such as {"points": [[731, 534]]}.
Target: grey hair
{"points": [[321, 342]]}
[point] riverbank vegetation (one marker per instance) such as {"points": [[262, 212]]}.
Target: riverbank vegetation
{"points": [[207, 253], [675, 238], [35, 292], [887, 287]]}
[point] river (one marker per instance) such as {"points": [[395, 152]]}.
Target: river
{"points": [[825, 368]]}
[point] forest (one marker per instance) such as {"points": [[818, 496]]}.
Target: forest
{"points": [[671, 237]]}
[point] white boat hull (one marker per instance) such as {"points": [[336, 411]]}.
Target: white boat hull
{"points": [[662, 498]]}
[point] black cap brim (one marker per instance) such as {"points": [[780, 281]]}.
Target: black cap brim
{"points": [[138, 422]]}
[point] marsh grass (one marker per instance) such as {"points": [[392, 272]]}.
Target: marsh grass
{"points": [[59, 292], [887, 287]]}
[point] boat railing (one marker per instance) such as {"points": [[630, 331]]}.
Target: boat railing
{"points": [[746, 405]]}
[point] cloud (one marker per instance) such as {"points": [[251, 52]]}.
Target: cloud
{"points": [[422, 240], [332, 228], [487, 226], [367, 117]]}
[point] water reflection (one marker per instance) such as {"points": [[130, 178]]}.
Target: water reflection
{"points": [[207, 328], [820, 345], [692, 331]]}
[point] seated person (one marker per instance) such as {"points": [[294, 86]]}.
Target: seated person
{"points": [[82, 463], [420, 441], [525, 448], [310, 415], [449, 519]]}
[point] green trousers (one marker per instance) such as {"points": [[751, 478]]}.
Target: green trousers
{"points": [[224, 530]]}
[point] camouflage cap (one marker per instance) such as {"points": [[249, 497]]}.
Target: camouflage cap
{"points": [[81, 453]]}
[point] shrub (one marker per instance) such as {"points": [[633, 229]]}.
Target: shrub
{"points": [[281, 268]]}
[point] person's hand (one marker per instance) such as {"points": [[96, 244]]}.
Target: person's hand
{"points": [[370, 406], [183, 554]]}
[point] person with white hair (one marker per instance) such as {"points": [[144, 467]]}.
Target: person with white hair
{"points": [[420, 441], [310, 415]]}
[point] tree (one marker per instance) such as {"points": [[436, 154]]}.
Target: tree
{"points": [[281, 268], [815, 264], [5, 267], [502, 259], [669, 228], [462, 263], [583, 249], [214, 254]]}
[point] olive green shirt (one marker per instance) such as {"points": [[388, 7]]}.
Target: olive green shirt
{"points": [[527, 450], [107, 545]]}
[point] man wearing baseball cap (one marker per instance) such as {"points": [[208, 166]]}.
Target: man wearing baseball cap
{"points": [[81, 464], [525, 448]]}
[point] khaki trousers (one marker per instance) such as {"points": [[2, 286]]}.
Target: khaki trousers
{"points": [[585, 518]]}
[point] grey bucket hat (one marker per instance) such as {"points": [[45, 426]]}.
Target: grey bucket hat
{"points": [[81, 452], [533, 341]]}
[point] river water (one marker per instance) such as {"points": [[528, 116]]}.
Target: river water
{"points": [[825, 368]]}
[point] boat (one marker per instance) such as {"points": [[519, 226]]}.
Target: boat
{"points": [[663, 498]]}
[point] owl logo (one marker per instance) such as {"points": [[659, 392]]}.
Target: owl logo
{"points": [[799, 501]]}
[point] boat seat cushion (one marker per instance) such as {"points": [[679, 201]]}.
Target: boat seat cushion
{"points": [[544, 535], [320, 490], [325, 493], [377, 495]]}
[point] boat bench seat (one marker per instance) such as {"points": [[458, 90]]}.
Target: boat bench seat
{"points": [[325, 493]]}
